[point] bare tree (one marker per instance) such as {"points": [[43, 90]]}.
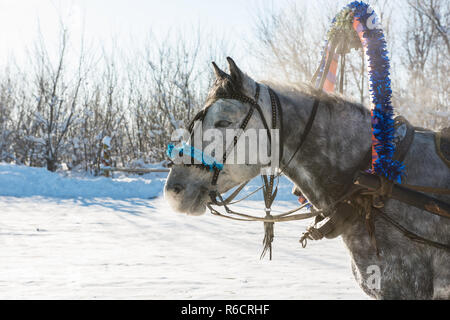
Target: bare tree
{"points": [[427, 61], [437, 14], [286, 45], [57, 97]]}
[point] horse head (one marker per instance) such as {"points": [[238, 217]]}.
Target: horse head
{"points": [[188, 187]]}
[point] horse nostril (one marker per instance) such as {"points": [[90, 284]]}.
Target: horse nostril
{"points": [[177, 188]]}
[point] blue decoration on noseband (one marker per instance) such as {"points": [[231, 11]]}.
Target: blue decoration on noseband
{"points": [[207, 161]]}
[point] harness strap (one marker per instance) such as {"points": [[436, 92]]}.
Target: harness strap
{"points": [[269, 196], [404, 144], [243, 198], [235, 193], [342, 75], [408, 196], [315, 106], [274, 218], [275, 101], [442, 142], [324, 227], [427, 189], [253, 105], [410, 235]]}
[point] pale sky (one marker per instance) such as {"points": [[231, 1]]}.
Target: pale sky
{"points": [[122, 19]]}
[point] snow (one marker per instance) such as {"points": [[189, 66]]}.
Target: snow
{"points": [[21, 181], [96, 238]]}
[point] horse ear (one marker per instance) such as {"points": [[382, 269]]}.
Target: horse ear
{"points": [[236, 74], [219, 73]]}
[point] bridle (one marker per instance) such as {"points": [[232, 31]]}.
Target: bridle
{"points": [[269, 192], [276, 114], [269, 188], [253, 102], [276, 110]]}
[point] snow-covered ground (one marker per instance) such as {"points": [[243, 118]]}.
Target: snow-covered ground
{"points": [[85, 237]]}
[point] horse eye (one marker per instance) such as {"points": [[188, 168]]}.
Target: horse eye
{"points": [[222, 124]]}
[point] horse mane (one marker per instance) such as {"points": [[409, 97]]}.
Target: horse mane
{"points": [[332, 101]]}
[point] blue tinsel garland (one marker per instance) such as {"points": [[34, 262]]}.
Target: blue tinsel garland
{"points": [[380, 88]]}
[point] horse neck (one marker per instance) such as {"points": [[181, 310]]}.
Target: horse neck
{"points": [[334, 149]]}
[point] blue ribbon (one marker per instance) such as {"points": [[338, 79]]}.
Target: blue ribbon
{"points": [[208, 161]]}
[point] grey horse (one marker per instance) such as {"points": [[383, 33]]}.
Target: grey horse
{"points": [[337, 144]]}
